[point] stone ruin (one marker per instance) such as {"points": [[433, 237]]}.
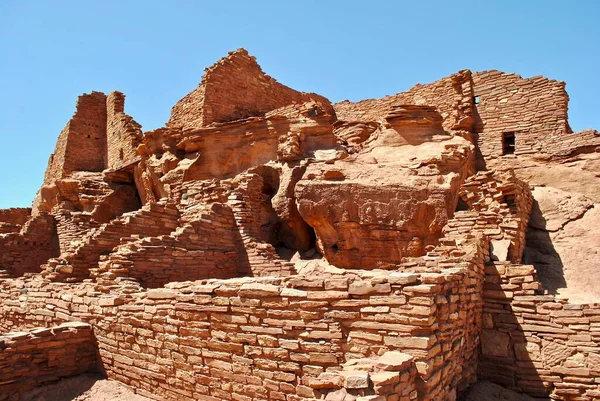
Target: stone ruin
{"points": [[268, 245]]}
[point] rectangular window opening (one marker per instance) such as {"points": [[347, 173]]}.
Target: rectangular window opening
{"points": [[508, 143], [476, 99]]}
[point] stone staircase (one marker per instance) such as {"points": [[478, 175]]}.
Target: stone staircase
{"points": [[152, 220]]}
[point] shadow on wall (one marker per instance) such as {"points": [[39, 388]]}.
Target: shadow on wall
{"points": [[478, 127], [508, 357], [540, 252]]}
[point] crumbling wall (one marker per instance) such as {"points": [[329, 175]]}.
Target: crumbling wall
{"points": [[452, 96], [257, 257], [538, 344], [33, 358], [268, 338], [200, 249], [534, 110], [81, 145], [24, 251], [152, 220], [11, 220], [504, 203], [234, 88], [123, 133]]}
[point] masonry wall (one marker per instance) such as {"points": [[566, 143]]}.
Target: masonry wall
{"points": [[538, 344], [203, 248], [99, 135], [86, 143], [35, 357], [270, 338], [452, 96], [503, 203], [535, 109], [81, 145], [151, 221], [11, 220], [123, 133], [234, 88], [24, 251]]}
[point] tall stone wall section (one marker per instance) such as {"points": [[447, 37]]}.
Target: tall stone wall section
{"points": [[33, 358], [232, 89], [533, 109], [123, 133], [99, 135], [81, 145]]}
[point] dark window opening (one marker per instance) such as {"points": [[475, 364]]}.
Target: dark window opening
{"points": [[121, 155], [476, 99], [508, 143], [510, 201], [461, 205], [88, 136]]}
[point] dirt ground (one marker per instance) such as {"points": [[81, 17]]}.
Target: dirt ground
{"points": [[92, 387], [86, 387], [486, 391]]}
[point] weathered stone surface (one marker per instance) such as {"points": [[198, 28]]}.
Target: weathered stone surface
{"points": [[234, 88], [392, 198], [494, 343]]}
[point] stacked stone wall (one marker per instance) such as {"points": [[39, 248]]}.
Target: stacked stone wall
{"points": [[24, 251], [123, 133], [86, 141], [33, 358], [203, 248], [538, 344], [234, 88], [11, 220], [452, 96], [272, 338], [534, 110], [503, 204], [151, 221]]}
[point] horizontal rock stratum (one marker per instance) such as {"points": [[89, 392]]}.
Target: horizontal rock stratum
{"points": [[269, 245]]}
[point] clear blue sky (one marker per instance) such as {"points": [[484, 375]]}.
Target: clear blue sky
{"points": [[155, 52]]}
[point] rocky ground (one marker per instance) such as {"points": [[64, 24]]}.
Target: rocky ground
{"points": [[86, 387], [93, 387]]}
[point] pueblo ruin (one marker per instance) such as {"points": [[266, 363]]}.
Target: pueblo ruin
{"points": [[266, 244]]}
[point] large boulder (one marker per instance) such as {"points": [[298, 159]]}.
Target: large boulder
{"points": [[392, 198]]}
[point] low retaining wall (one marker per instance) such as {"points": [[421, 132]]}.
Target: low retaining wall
{"points": [[30, 359]]}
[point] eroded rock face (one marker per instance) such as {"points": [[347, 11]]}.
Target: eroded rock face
{"points": [[391, 199], [563, 243]]}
